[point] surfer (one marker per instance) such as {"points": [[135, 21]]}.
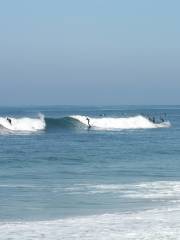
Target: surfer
{"points": [[89, 125], [150, 119], [9, 120], [153, 120], [162, 119]]}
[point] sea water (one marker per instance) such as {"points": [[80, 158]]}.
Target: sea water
{"points": [[117, 179]]}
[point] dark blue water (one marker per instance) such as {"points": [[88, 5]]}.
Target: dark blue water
{"points": [[69, 170]]}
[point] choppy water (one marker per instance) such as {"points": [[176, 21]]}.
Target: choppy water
{"points": [[119, 179]]}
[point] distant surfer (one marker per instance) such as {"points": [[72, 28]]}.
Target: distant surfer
{"points": [[89, 125], [9, 120], [162, 119], [152, 119]]}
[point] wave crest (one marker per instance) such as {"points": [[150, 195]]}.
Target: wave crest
{"points": [[77, 122], [136, 122], [23, 124]]}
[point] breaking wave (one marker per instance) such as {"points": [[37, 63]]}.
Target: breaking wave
{"points": [[22, 124], [77, 121], [109, 123], [64, 122], [156, 191], [142, 225], [157, 223]]}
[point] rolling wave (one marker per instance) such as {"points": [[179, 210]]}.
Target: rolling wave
{"points": [[22, 124], [110, 123], [64, 122], [78, 121]]}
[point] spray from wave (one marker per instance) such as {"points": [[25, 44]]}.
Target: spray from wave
{"points": [[26, 124], [22, 124], [110, 123]]}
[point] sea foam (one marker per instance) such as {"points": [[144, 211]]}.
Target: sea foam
{"points": [[136, 122], [23, 124], [168, 191], [156, 224]]}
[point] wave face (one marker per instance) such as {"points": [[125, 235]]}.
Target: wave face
{"points": [[109, 123], [23, 124], [79, 122], [64, 122]]}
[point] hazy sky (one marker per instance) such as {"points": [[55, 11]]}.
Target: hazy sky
{"points": [[89, 52]]}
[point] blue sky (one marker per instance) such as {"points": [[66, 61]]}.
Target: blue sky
{"points": [[89, 52]]}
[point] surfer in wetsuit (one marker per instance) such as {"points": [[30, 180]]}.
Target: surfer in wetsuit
{"points": [[89, 125], [162, 119], [153, 120], [150, 119], [9, 120]]}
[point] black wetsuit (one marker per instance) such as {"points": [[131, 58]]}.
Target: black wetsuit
{"points": [[89, 126], [162, 119], [9, 120], [153, 120]]}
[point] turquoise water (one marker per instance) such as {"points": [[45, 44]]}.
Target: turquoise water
{"points": [[67, 179]]}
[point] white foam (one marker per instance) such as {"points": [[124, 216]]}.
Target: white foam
{"points": [[159, 223], [143, 225], [137, 122], [167, 190], [23, 124]]}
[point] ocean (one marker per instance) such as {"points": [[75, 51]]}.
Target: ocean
{"points": [[90, 173]]}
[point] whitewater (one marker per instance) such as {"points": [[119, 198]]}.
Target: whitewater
{"points": [[147, 225], [135, 122], [98, 123], [118, 179], [23, 124], [159, 223]]}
